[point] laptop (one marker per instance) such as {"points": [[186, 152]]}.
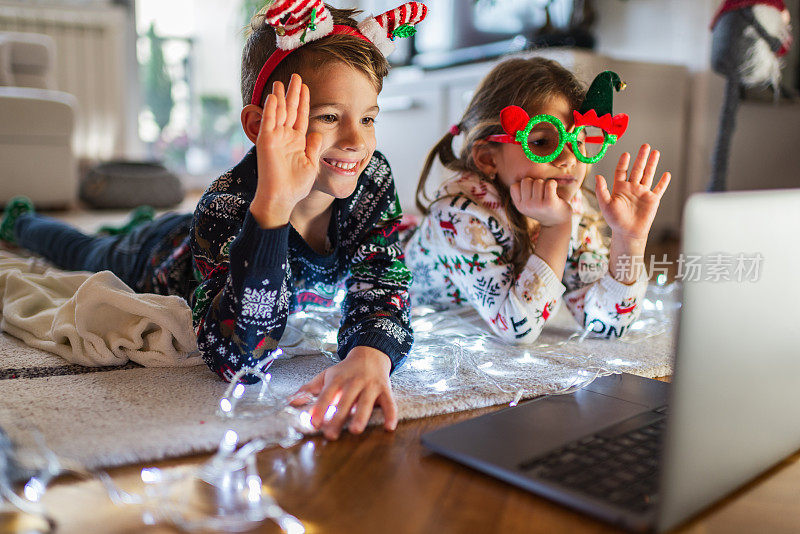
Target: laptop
{"points": [[647, 455]]}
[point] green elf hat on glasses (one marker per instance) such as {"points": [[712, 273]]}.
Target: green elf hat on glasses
{"points": [[596, 107], [543, 137]]}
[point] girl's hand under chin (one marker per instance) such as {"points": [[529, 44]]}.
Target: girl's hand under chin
{"points": [[630, 209], [538, 199]]}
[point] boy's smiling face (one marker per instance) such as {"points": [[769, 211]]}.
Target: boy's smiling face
{"points": [[344, 104]]}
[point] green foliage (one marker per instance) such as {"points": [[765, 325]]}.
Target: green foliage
{"points": [[213, 109], [157, 83], [406, 30], [217, 128]]}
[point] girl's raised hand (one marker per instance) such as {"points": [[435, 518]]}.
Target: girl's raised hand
{"points": [[288, 160], [537, 199], [630, 209]]}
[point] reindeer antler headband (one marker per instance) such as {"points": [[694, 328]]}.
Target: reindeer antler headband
{"points": [[297, 22]]}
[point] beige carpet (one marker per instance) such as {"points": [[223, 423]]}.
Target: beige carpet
{"points": [[111, 416]]}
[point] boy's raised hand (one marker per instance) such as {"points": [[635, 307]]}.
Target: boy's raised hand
{"points": [[537, 199], [630, 209], [288, 160], [349, 390]]}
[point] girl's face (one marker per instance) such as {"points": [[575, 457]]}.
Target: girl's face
{"points": [[512, 165]]}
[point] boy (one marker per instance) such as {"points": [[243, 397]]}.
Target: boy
{"points": [[311, 208], [315, 192]]}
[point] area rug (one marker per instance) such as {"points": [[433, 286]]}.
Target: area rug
{"points": [[107, 416]]}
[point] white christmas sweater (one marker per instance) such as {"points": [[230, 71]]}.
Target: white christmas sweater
{"points": [[460, 255]]}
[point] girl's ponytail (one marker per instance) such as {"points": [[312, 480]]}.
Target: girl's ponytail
{"points": [[444, 151]]}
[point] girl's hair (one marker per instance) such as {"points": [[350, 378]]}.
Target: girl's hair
{"points": [[529, 83], [353, 51]]}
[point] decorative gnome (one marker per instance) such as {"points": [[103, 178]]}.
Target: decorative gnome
{"points": [[748, 39]]}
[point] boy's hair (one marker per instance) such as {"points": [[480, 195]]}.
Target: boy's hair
{"points": [[529, 83], [352, 51]]}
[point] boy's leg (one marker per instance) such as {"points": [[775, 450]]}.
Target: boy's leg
{"points": [[70, 249], [65, 246], [125, 255]]}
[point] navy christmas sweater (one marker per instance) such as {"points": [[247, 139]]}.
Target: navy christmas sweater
{"points": [[252, 278]]}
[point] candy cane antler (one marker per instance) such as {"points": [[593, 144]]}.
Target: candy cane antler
{"points": [[397, 22], [297, 22]]}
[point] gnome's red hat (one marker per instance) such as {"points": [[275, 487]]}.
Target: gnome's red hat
{"points": [[733, 5]]}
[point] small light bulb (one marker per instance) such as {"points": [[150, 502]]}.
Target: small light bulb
{"points": [[231, 438], [34, 490], [291, 525], [150, 475], [330, 412]]}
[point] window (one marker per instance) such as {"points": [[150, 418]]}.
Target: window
{"points": [[189, 53]]}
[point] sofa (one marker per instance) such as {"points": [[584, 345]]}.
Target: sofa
{"points": [[36, 124]]}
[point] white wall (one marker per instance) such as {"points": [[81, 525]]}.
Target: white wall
{"points": [[656, 31]]}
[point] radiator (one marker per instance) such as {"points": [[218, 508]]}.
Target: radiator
{"points": [[90, 64]]}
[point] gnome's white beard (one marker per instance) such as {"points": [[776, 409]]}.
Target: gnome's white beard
{"points": [[762, 66]]}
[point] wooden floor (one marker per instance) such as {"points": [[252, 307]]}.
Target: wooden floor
{"points": [[388, 483]]}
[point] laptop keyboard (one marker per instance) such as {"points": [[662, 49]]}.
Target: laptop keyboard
{"points": [[618, 464]]}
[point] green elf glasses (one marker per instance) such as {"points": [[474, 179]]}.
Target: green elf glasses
{"points": [[543, 137]]}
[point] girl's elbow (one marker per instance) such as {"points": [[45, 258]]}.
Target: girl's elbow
{"points": [[518, 336], [602, 327], [527, 337]]}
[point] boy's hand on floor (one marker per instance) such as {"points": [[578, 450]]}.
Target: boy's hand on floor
{"points": [[349, 390], [288, 161]]}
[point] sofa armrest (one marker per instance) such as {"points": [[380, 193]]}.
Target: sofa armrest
{"points": [[36, 128], [41, 113]]}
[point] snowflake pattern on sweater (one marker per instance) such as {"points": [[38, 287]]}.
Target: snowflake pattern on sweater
{"points": [[251, 279], [459, 255]]}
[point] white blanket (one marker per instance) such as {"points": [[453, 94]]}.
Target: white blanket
{"points": [[93, 319]]}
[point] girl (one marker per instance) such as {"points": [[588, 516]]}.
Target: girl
{"points": [[513, 231]]}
